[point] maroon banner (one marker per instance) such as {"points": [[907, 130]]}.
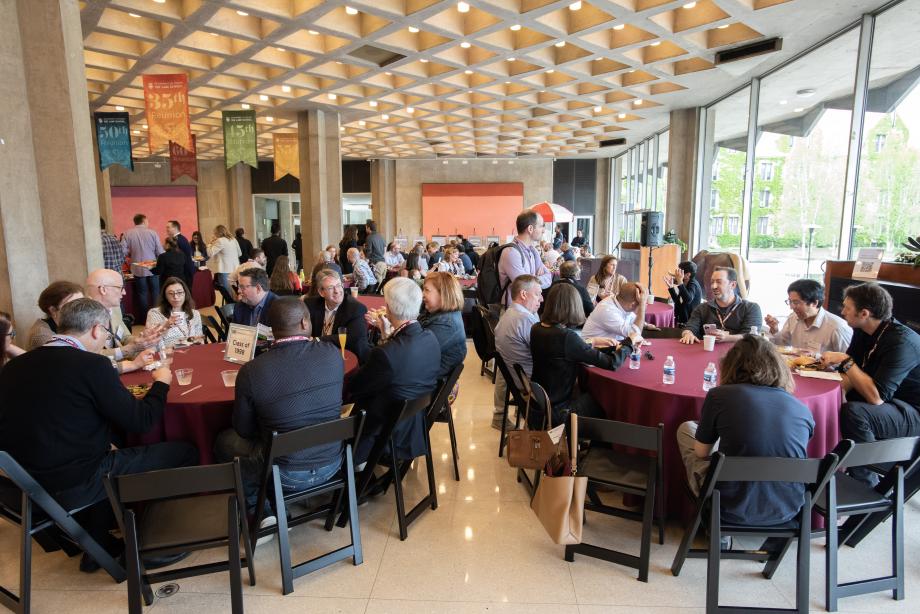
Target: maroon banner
{"points": [[182, 161]]}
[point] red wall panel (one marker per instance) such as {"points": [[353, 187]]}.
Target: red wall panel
{"points": [[471, 208], [160, 204]]}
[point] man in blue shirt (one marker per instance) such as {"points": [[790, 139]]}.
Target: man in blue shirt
{"points": [[255, 298]]}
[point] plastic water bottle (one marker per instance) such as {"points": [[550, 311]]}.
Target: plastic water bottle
{"points": [[669, 371], [635, 358], [710, 376], [755, 330]]}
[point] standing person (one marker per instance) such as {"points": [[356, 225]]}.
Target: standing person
{"points": [[333, 308], [143, 246], [283, 280], [113, 252], [606, 282], [374, 244], [50, 301], [579, 240], [349, 240], [732, 315], [176, 314], [881, 372], [558, 237], [223, 256], [810, 326], [199, 249], [245, 245], [523, 258], [685, 290], [297, 246], [274, 246], [171, 263], [174, 230]]}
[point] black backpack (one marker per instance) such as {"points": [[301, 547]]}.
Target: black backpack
{"points": [[488, 285]]}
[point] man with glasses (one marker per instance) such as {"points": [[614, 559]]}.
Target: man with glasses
{"points": [[523, 259], [334, 309], [809, 326], [255, 298]]}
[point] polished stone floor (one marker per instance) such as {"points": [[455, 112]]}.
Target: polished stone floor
{"points": [[482, 550]]}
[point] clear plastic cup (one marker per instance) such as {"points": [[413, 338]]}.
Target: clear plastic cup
{"points": [[184, 376], [354, 291], [229, 377]]}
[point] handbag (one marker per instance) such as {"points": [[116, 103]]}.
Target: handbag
{"points": [[531, 449], [559, 502]]}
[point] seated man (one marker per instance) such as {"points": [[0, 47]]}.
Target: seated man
{"points": [[393, 257], [809, 326], [881, 372], [512, 336], [619, 315], [255, 298], [570, 273], [405, 367], [362, 277], [58, 404], [297, 383], [334, 309], [731, 315]]}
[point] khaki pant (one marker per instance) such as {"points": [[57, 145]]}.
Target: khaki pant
{"points": [[696, 467]]}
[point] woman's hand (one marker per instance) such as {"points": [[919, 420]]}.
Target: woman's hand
{"points": [[669, 281]]}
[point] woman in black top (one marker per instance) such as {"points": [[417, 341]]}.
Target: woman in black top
{"points": [[170, 263], [685, 290], [558, 351], [199, 248], [245, 245], [348, 241]]}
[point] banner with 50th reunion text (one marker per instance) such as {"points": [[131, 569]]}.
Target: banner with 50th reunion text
{"points": [[113, 137], [166, 101], [182, 161], [287, 155], [240, 138]]}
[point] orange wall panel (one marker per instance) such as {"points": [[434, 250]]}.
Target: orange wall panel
{"points": [[471, 209]]}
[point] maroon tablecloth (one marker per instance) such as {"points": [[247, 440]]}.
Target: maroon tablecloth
{"points": [[372, 301], [467, 283], [660, 314], [198, 416], [639, 397], [202, 294]]}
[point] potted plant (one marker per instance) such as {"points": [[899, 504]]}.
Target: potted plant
{"points": [[912, 256]]}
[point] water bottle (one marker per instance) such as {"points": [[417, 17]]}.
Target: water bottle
{"points": [[710, 376], [669, 371], [635, 358], [755, 330]]}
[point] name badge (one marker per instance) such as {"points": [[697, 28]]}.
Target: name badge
{"points": [[241, 343]]}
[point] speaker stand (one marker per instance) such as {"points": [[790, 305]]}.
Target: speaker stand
{"points": [[651, 262]]}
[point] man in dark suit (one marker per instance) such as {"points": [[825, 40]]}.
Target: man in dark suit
{"points": [[273, 247], [255, 298], [404, 367], [334, 309], [174, 230]]}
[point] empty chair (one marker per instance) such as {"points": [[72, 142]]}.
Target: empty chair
{"points": [[441, 411], [484, 340]]}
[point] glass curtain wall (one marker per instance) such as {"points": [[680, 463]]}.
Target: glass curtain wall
{"points": [[640, 184]]}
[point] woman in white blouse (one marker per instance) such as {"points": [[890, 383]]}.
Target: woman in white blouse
{"points": [[451, 262], [223, 256], [176, 311]]}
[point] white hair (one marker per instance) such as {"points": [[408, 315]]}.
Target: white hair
{"points": [[403, 298]]}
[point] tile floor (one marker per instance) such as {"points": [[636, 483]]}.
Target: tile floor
{"points": [[482, 550]]}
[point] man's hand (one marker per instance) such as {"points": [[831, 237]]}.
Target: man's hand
{"points": [[143, 359], [602, 342], [688, 338], [641, 294], [669, 281], [773, 323], [163, 374], [721, 335], [831, 359]]}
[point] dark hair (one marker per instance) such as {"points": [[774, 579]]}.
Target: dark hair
{"points": [[139, 218], [808, 290], [688, 266], [280, 282], [171, 244], [563, 306], [569, 269], [286, 312], [276, 227], [390, 245], [350, 234], [239, 232], [601, 276], [102, 222], [371, 225], [525, 219], [730, 272], [176, 224], [6, 327], [872, 297], [258, 276], [55, 293], [197, 234], [255, 253], [187, 305], [754, 360]]}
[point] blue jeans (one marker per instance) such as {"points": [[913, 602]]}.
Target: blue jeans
{"points": [[223, 279]]}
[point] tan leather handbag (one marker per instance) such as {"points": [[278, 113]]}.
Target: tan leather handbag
{"points": [[531, 449], [559, 502]]}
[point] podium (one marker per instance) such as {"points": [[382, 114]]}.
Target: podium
{"points": [[634, 265]]}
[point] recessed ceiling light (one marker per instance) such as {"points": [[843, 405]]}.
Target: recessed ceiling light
{"points": [[286, 89], [784, 102], [515, 27], [423, 61], [465, 45], [135, 15], [637, 102], [689, 5], [351, 10], [242, 13], [245, 106], [312, 32], [723, 26], [119, 108], [280, 49], [799, 109], [263, 97], [269, 119], [469, 91], [144, 126], [444, 162], [550, 71], [463, 7], [598, 109], [507, 82], [655, 44], [387, 73], [575, 6], [331, 96], [136, 131], [621, 115], [410, 110], [373, 103], [631, 70], [598, 59], [619, 26], [467, 72], [413, 29], [361, 122], [384, 117], [511, 59]]}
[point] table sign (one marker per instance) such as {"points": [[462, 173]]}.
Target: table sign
{"points": [[420, 239], [475, 241], [868, 262], [402, 242], [241, 343], [492, 239], [439, 239]]}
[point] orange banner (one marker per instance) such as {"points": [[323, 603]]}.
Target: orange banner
{"points": [[287, 155], [166, 101]]}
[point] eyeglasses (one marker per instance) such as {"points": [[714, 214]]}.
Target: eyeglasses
{"points": [[119, 288], [110, 333], [176, 293], [794, 303], [11, 334], [244, 286], [332, 288]]}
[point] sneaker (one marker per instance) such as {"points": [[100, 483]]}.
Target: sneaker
{"points": [[497, 423], [725, 543], [268, 521]]}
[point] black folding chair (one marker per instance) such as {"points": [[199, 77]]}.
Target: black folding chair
{"points": [[23, 502], [813, 473], [224, 293], [848, 496], [441, 411], [514, 397], [627, 473], [484, 340], [178, 518], [346, 431]]}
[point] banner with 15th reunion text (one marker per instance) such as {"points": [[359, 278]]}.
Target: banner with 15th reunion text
{"points": [[287, 155], [182, 161], [240, 138], [113, 137], [166, 101]]}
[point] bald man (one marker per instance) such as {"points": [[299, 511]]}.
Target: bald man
{"points": [[107, 287]]}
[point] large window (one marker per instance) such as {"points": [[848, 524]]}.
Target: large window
{"points": [[641, 185]]}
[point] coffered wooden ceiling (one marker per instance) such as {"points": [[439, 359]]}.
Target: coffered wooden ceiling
{"points": [[419, 78]]}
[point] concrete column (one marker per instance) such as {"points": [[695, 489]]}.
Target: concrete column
{"points": [[239, 191], [682, 163], [383, 198], [320, 181], [601, 241]]}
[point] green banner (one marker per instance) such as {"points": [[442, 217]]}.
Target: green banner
{"points": [[240, 138]]}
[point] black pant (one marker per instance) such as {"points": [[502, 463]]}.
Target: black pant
{"points": [[147, 290], [864, 422]]}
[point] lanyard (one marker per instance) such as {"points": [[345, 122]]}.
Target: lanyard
{"points": [[401, 326], [291, 339], [722, 318], [59, 339], [874, 345]]}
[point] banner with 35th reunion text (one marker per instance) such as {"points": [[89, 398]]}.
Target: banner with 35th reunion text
{"points": [[166, 101], [113, 137], [287, 155], [240, 138], [182, 161]]}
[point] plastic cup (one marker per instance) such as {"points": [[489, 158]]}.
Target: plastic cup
{"points": [[651, 299], [184, 376], [709, 342], [229, 377], [354, 291]]}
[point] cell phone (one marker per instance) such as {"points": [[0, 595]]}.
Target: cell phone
{"points": [[709, 329]]}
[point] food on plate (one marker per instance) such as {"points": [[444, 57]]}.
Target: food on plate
{"points": [[138, 390]]}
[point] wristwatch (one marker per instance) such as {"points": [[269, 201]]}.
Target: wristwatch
{"points": [[846, 365]]}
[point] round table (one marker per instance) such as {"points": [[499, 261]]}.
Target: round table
{"points": [[639, 397], [197, 415], [660, 315], [371, 301]]}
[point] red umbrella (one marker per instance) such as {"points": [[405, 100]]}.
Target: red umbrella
{"points": [[553, 213]]}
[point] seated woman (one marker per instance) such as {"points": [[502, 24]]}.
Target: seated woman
{"points": [[176, 313], [606, 282], [171, 263], [284, 281], [451, 262], [416, 263], [8, 349], [443, 300], [685, 290], [559, 351], [50, 301]]}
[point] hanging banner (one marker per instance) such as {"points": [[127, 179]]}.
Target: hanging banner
{"points": [[166, 101], [113, 137], [182, 161], [240, 138], [287, 156]]}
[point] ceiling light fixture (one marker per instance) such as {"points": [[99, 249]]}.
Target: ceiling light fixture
{"points": [[373, 103], [511, 59], [637, 102], [655, 44], [621, 115], [723, 26], [463, 7], [144, 126], [619, 26], [410, 110], [135, 15], [560, 44], [361, 122], [515, 27], [689, 5], [286, 89], [598, 109], [550, 71], [798, 109], [213, 33], [423, 61], [384, 117], [351, 10], [467, 72], [269, 119], [263, 97], [244, 105], [312, 32], [575, 6], [136, 131], [465, 45], [119, 108], [413, 29], [242, 13], [331, 96], [160, 1], [341, 128], [388, 73]]}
